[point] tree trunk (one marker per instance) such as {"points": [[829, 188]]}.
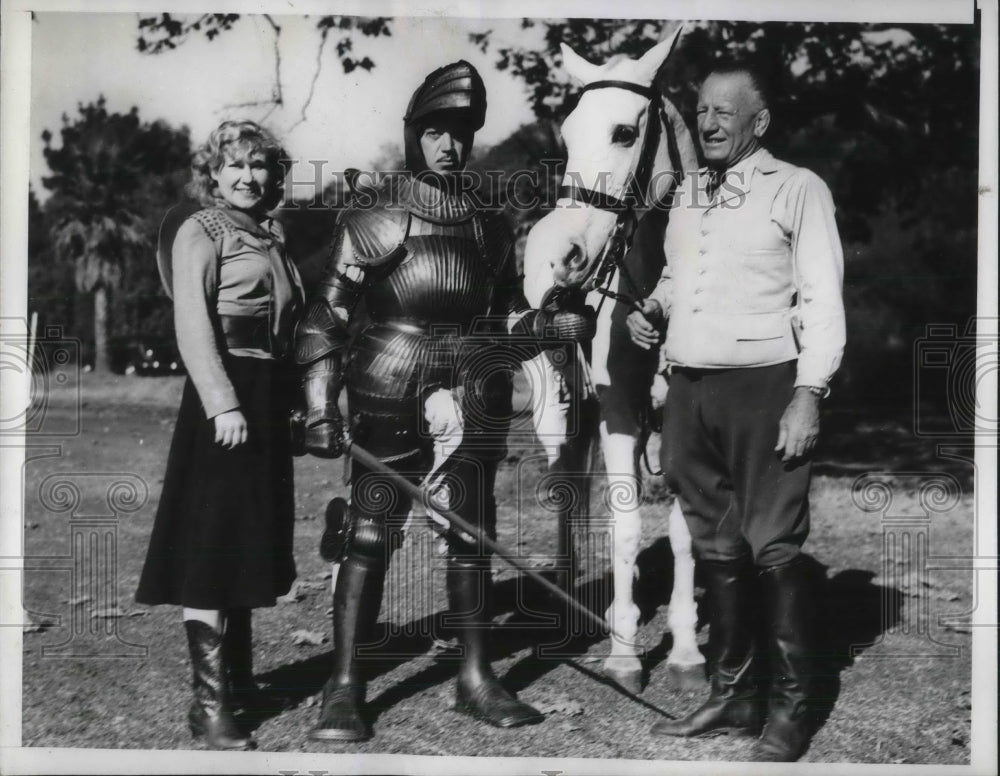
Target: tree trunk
{"points": [[102, 358]]}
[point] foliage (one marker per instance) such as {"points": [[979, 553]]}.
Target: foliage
{"points": [[854, 82], [51, 290], [99, 173], [536, 148], [309, 226], [164, 32], [886, 114], [113, 176]]}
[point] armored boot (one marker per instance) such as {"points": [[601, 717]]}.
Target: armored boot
{"points": [[479, 693], [788, 600], [356, 605], [733, 705], [211, 715]]}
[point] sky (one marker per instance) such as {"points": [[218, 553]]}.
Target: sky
{"points": [[76, 57]]}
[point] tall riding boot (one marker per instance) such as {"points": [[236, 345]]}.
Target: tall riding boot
{"points": [[211, 716], [733, 704], [356, 605], [237, 650], [479, 692], [788, 597]]}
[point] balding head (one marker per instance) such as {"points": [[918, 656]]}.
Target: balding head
{"points": [[759, 83], [733, 115]]}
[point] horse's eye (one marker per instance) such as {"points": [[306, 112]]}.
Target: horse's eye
{"points": [[624, 135]]}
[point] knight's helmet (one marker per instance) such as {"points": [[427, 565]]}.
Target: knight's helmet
{"points": [[457, 88]]}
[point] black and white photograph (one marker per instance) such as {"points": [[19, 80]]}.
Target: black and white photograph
{"points": [[527, 388]]}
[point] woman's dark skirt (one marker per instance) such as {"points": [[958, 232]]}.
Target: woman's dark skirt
{"points": [[222, 537]]}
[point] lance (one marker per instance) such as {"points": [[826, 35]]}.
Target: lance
{"points": [[421, 495]]}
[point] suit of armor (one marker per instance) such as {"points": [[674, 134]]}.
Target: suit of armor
{"points": [[437, 278]]}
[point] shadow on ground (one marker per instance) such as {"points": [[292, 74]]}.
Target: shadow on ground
{"points": [[855, 614]]}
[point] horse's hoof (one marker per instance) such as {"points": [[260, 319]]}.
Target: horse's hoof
{"points": [[629, 680], [690, 678]]}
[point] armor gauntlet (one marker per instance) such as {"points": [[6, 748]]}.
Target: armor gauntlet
{"points": [[563, 316], [324, 425], [320, 340]]}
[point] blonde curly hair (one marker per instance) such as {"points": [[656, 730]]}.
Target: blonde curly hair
{"points": [[237, 139]]}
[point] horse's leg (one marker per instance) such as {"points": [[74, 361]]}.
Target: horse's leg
{"points": [[550, 406], [573, 461], [685, 662], [623, 665]]}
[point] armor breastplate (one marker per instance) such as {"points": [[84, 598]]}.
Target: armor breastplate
{"points": [[422, 306], [442, 279], [446, 268]]}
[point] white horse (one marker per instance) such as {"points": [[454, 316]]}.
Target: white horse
{"points": [[618, 133]]}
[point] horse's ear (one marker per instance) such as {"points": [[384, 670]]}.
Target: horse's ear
{"points": [[578, 67], [650, 63], [667, 173], [675, 155], [682, 145]]}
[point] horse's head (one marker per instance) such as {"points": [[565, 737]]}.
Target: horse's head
{"points": [[618, 155]]}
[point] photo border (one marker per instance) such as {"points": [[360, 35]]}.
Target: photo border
{"points": [[15, 49]]}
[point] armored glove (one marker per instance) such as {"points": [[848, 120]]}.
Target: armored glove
{"points": [[564, 315], [324, 425], [578, 325], [325, 438]]}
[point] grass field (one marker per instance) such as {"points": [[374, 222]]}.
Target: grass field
{"points": [[896, 675]]}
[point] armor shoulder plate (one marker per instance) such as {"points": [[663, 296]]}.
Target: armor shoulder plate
{"points": [[376, 234], [319, 332]]}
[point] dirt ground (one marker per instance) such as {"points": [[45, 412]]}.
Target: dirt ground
{"points": [[895, 657]]}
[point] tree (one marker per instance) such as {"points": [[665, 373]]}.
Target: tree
{"points": [[899, 99], [888, 115], [164, 32], [51, 290], [108, 171]]}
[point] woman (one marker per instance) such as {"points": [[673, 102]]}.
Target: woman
{"points": [[222, 539]]}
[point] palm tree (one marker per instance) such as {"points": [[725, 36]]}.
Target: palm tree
{"points": [[104, 177], [98, 246]]}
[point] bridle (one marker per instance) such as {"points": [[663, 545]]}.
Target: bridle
{"points": [[613, 253], [618, 242]]}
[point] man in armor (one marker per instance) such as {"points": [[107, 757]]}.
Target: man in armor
{"points": [[427, 373]]}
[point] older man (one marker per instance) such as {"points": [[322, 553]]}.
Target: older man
{"points": [[752, 296]]}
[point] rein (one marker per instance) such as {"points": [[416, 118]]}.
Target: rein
{"points": [[613, 255], [618, 243]]}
